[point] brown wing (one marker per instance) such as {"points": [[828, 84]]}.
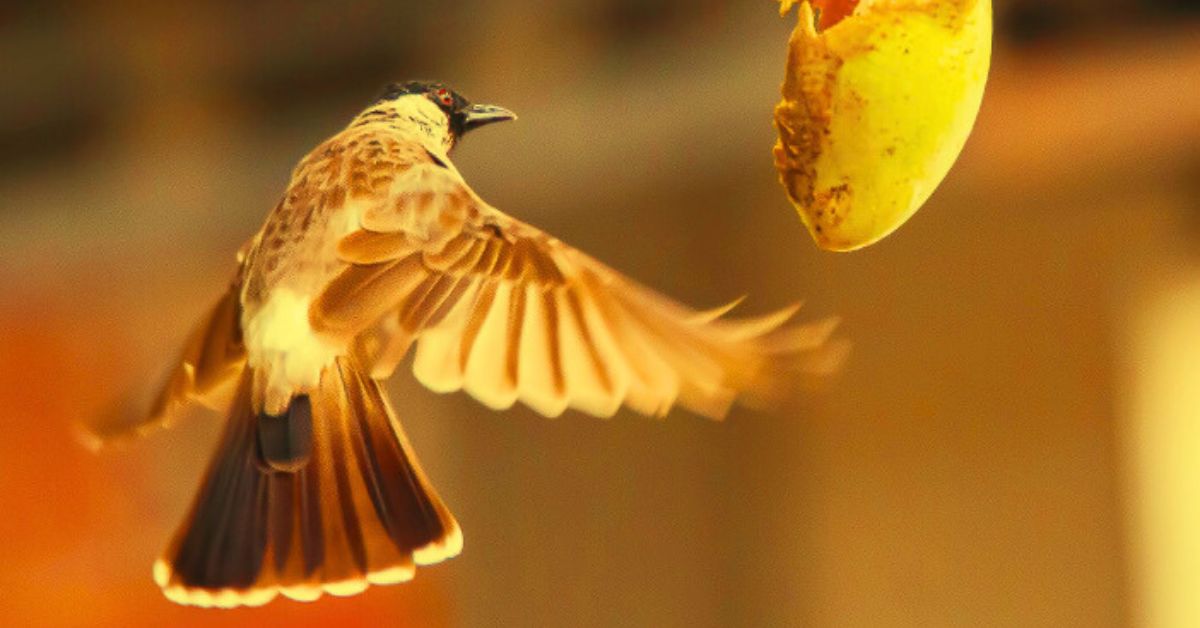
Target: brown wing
{"points": [[211, 358], [505, 312]]}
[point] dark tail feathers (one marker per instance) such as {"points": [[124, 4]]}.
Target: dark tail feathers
{"points": [[325, 498]]}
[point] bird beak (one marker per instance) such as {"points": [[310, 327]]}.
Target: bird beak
{"points": [[476, 116]]}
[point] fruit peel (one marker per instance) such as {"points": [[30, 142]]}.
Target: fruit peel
{"points": [[876, 108]]}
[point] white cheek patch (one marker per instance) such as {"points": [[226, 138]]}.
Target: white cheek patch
{"points": [[428, 122], [280, 340]]}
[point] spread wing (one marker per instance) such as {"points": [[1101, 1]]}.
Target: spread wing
{"points": [[211, 359], [506, 312]]}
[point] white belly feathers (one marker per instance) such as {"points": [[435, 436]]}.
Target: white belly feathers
{"points": [[281, 343]]}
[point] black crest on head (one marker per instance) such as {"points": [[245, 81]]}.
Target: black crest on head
{"points": [[439, 94], [463, 115], [442, 96]]}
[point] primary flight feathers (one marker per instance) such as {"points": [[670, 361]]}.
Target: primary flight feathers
{"points": [[505, 312]]}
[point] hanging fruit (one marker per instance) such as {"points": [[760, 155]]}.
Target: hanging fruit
{"points": [[878, 100]]}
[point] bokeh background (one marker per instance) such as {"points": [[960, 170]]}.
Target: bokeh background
{"points": [[1015, 441]]}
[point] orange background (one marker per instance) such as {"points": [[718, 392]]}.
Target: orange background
{"points": [[982, 461]]}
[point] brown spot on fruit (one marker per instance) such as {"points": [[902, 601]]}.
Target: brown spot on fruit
{"points": [[803, 116]]}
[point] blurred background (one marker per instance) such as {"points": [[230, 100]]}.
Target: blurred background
{"points": [[1015, 441]]}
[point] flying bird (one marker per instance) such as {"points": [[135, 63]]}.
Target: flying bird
{"points": [[378, 247]]}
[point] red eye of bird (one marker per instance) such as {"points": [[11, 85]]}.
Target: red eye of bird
{"points": [[444, 95]]}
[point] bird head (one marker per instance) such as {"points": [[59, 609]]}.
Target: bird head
{"points": [[440, 113]]}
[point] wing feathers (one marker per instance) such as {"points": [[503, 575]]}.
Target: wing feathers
{"points": [[589, 384], [708, 316], [512, 347], [759, 326], [454, 252], [484, 354], [654, 385], [369, 247], [361, 294], [539, 378], [475, 321], [206, 371], [507, 313]]}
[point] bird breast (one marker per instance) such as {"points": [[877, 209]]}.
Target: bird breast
{"points": [[295, 258]]}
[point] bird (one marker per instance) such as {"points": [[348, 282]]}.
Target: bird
{"points": [[377, 249]]}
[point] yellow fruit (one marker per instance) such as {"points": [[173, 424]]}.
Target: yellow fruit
{"points": [[877, 105]]}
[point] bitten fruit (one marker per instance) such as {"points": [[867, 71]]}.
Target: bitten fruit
{"points": [[878, 100]]}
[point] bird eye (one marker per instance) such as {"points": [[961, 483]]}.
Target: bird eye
{"points": [[443, 96]]}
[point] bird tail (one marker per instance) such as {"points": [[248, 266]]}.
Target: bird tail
{"points": [[326, 497]]}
